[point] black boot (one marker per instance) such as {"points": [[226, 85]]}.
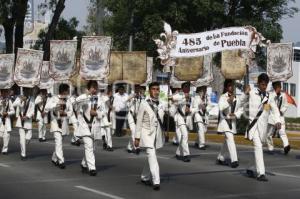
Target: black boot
{"points": [[287, 149]]}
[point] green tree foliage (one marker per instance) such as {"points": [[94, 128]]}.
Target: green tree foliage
{"points": [[12, 15], [65, 30], [188, 16]]}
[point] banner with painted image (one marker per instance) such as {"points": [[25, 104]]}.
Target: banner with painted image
{"points": [[279, 61], [46, 81], [6, 70], [28, 67], [62, 59], [95, 57]]}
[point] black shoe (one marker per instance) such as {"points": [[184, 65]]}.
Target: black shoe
{"points": [[76, 143], [61, 166], [137, 151], [23, 158], [234, 164], [156, 187], [54, 163], [146, 182], [262, 178], [129, 151], [196, 145], [287, 149], [109, 149], [186, 159], [4, 153], [178, 157], [175, 143], [84, 169], [221, 162], [202, 148], [44, 140], [104, 146], [93, 172], [40, 139], [250, 173]]}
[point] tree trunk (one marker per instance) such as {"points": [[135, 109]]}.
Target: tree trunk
{"points": [[9, 32], [20, 17], [46, 46]]}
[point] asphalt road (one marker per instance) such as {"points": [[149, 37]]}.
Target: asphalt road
{"points": [[118, 174]]}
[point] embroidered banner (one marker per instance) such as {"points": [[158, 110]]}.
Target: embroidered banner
{"points": [[6, 70], [94, 59], [279, 61], [46, 81], [28, 66], [62, 59], [233, 64]]}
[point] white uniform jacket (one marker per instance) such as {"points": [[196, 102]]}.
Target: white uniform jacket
{"points": [[148, 127], [41, 104], [6, 105], [179, 105], [88, 125], [103, 111], [259, 102], [133, 107], [58, 123], [225, 123], [24, 108], [72, 110], [201, 115], [282, 104]]}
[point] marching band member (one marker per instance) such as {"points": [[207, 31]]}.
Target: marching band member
{"points": [[134, 105], [57, 106], [120, 108], [260, 107], [72, 114], [282, 105], [6, 111], [149, 134], [201, 104], [111, 112], [105, 124], [89, 117], [183, 121], [25, 111], [42, 116], [230, 109], [177, 136]]}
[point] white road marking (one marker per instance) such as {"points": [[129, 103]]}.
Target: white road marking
{"points": [[4, 165], [99, 192], [285, 175], [256, 194]]}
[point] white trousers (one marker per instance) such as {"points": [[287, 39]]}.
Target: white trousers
{"points": [[6, 138], [75, 129], [177, 137], [89, 156], [108, 135], [130, 145], [183, 147], [58, 155], [151, 168], [201, 130], [258, 154], [229, 144], [42, 129], [282, 134], [25, 135]]}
